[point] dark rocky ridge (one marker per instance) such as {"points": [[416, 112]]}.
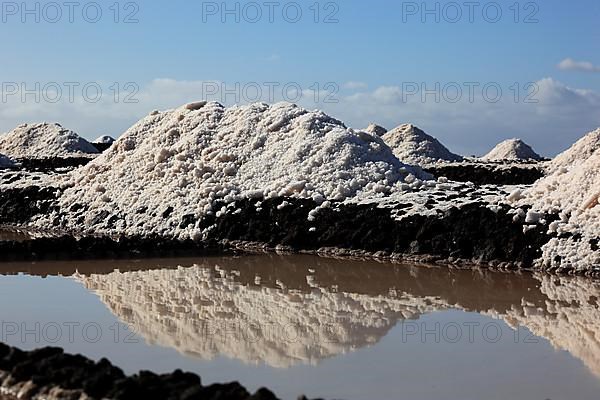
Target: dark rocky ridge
{"points": [[471, 234], [488, 173], [102, 147], [52, 163], [49, 373], [66, 247]]}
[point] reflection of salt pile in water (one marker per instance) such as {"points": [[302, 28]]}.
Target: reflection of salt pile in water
{"points": [[511, 149], [570, 319], [205, 312], [6, 162], [44, 141], [175, 164], [574, 193], [411, 145], [211, 311]]}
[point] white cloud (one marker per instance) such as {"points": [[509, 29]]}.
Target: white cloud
{"points": [[551, 119], [355, 85], [559, 117], [568, 64]]}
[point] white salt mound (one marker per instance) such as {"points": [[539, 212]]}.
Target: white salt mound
{"points": [[44, 141], [183, 160], [413, 146], [574, 193], [104, 140], [579, 152], [376, 130], [6, 162], [511, 149]]}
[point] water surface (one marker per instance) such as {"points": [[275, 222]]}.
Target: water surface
{"points": [[324, 327]]}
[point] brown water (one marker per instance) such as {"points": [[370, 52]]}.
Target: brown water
{"points": [[324, 327]]}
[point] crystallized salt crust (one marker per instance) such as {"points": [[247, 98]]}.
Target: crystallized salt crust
{"points": [[179, 162], [572, 190], [44, 141], [413, 146]]}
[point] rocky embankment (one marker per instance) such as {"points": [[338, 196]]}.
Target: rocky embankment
{"points": [[489, 173], [196, 174], [50, 374], [470, 234], [52, 163]]}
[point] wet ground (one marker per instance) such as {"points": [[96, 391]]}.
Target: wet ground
{"points": [[323, 327]]}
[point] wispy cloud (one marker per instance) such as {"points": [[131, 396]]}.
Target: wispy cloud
{"points": [[556, 116], [355, 85], [560, 116], [568, 64]]}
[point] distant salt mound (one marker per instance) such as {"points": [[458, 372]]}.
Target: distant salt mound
{"points": [[413, 146], [575, 194], [579, 152], [177, 163], [376, 130], [6, 162], [44, 141], [104, 140], [511, 149]]}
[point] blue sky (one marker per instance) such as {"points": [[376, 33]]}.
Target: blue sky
{"points": [[371, 55]]}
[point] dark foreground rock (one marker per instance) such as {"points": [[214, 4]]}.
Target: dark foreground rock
{"points": [[488, 173], [49, 374]]}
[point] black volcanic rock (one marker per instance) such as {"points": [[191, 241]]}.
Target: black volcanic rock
{"points": [[488, 173], [472, 232], [50, 369]]}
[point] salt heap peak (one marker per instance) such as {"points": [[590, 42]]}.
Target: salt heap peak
{"points": [[512, 149], [6, 162], [578, 153], [104, 140], [376, 130], [411, 145], [44, 140], [175, 165]]}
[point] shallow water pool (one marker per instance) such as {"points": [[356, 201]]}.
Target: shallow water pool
{"points": [[321, 327]]}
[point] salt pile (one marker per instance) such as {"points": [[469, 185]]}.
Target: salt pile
{"points": [[177, 163], [375, 129], [511, 149], [579, 152], [6, 162], [573, 193], [413, 146], [104, 140], [44, 140]]}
